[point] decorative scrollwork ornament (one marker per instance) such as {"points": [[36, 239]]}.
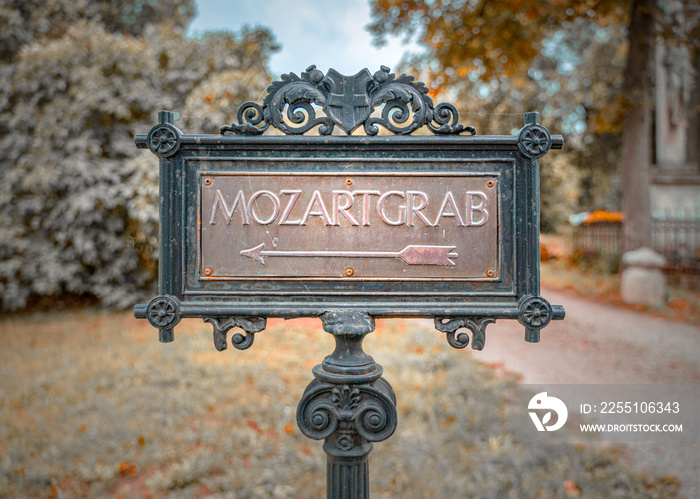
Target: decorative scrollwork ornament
{"points": [[249, 115], [376, 419], [477, 326], [347, 102], [446, 116], [222, 325]]}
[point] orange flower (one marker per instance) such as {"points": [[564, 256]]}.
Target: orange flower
{"points": [[603, 216], [127, 468]]}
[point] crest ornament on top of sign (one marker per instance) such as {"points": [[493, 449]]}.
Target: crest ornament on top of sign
{"points": [[347, 102]]}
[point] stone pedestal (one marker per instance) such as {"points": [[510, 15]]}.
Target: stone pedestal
{"points": [[642, 280]]}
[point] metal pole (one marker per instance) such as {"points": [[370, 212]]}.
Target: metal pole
{"points": [[349, 405]]}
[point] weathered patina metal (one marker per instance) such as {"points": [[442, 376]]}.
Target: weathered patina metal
{"points": [[348, 228], [305, 225]]}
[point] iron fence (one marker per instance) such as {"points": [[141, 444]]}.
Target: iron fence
{"points": [[676, 238], [600, 239]]}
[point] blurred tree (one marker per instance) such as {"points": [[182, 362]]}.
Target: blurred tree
{"points": [[78, 202], [509, 57], [574, 56], [575, 83], [636, 127], [500, 37], [23, 22]]}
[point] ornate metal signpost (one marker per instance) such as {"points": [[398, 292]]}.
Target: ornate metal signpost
{"points": [[348, 228]]}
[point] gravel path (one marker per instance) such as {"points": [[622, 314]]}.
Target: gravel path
{"points": [[599, 344]]}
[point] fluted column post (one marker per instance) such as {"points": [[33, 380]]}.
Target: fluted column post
{"points": [[349, 405]]}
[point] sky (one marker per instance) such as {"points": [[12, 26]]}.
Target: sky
{"points": [[327, 33]]}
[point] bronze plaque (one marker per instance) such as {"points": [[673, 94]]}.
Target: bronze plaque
{"points": [[367, 226]]}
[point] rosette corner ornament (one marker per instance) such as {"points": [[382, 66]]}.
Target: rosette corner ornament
{"points": [[164, 140], [535, 312], [163, 313], [534, 141]]}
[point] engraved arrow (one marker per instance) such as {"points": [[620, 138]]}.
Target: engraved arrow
{"points": [[412, 254]]}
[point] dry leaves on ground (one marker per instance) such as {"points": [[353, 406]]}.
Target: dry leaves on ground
{"points": [[93, 406]]}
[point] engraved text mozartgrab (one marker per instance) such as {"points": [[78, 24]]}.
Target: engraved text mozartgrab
{"points": [[359, 207]]}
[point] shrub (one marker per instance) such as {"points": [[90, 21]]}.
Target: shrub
{"points": [[78, 202]]}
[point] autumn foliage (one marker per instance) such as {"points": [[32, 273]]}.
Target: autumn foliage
{"points": [[500, 37]]}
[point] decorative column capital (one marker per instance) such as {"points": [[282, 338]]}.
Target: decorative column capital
{"points": [[367, 411]]}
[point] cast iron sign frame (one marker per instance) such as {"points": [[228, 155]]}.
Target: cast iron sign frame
{"points": [[511, 293], [349, 404]]}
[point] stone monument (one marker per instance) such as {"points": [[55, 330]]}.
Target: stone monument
{"points": [[642, 280], [675, 184]]}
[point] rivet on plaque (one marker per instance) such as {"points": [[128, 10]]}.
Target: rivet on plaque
{"points": [[349, 182], [349, 272], [207, 181], [490, 183]]}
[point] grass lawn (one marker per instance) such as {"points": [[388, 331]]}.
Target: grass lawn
{"points": [[91, 405]]}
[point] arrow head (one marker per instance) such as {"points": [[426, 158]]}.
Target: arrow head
{"points": [[428, 255], [254, 253]]}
